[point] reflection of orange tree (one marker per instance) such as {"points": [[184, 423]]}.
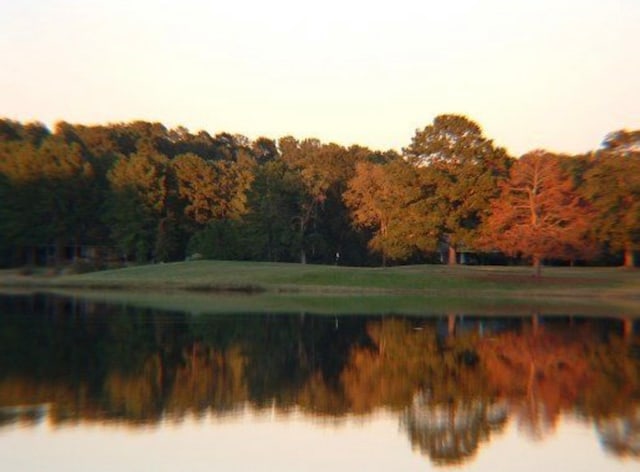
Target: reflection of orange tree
{"points": [[544, 374], [541, 372]]}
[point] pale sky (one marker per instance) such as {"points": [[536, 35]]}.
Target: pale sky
{"points": [[553, 74]]}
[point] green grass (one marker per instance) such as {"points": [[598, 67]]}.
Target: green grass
{"points": [[407, 289]]}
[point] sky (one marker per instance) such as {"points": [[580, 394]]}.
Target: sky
{"points": [[552, 74]]}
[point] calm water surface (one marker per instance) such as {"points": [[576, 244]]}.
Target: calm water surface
{"points": [[92, 386]]}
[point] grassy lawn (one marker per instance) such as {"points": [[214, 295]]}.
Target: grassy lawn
{"points": [[419, 288]]}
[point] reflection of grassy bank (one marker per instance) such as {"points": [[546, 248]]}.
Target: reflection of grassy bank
{"points": [[372, 304], [408, 289]]}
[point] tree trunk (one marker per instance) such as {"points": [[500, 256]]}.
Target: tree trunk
{"points": [[32, 256], [303, 254], [452, 255], [627, 328], [451, 325], [537, 266], [535, 323], [270, 256], [59, 253], [77, 251], [629, 257]]}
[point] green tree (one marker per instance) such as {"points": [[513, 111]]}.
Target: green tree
{"points": [[285, 221], [389, 199], [464, 168], [332, 237], [21, 213], [272, 208], [612, 185], [47, 194], [311, 162], [137, 202]]}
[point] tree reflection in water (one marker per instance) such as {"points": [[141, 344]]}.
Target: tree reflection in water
{"points": [[453, 381], [450, 433], [621, 435]]}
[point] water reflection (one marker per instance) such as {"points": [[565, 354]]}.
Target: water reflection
{"points": [[453, 381], [451, 432]]}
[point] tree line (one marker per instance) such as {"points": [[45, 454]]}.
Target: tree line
{"points": [[149, 193]]}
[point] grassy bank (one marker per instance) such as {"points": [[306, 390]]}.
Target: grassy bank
{"points": [[409, 288]]}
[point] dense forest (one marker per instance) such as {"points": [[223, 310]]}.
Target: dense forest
{"points": [[103, 195]]}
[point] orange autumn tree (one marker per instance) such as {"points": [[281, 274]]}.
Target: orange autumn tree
{"points": [[539, 214]]}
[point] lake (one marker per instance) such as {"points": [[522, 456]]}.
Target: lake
{"points": [[88, 385]]}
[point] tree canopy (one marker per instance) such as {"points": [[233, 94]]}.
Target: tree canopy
{"points": [[389, 199], [148, 192], [612, 184], [463, 168]]}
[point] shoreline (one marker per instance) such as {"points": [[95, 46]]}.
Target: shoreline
{"points": [[413, 289]]}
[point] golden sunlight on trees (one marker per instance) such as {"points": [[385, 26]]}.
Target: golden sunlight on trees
{"points": [[196, 184], [389, 199], [463, 169], [538, 213], [152, 193], [210, 190]]}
